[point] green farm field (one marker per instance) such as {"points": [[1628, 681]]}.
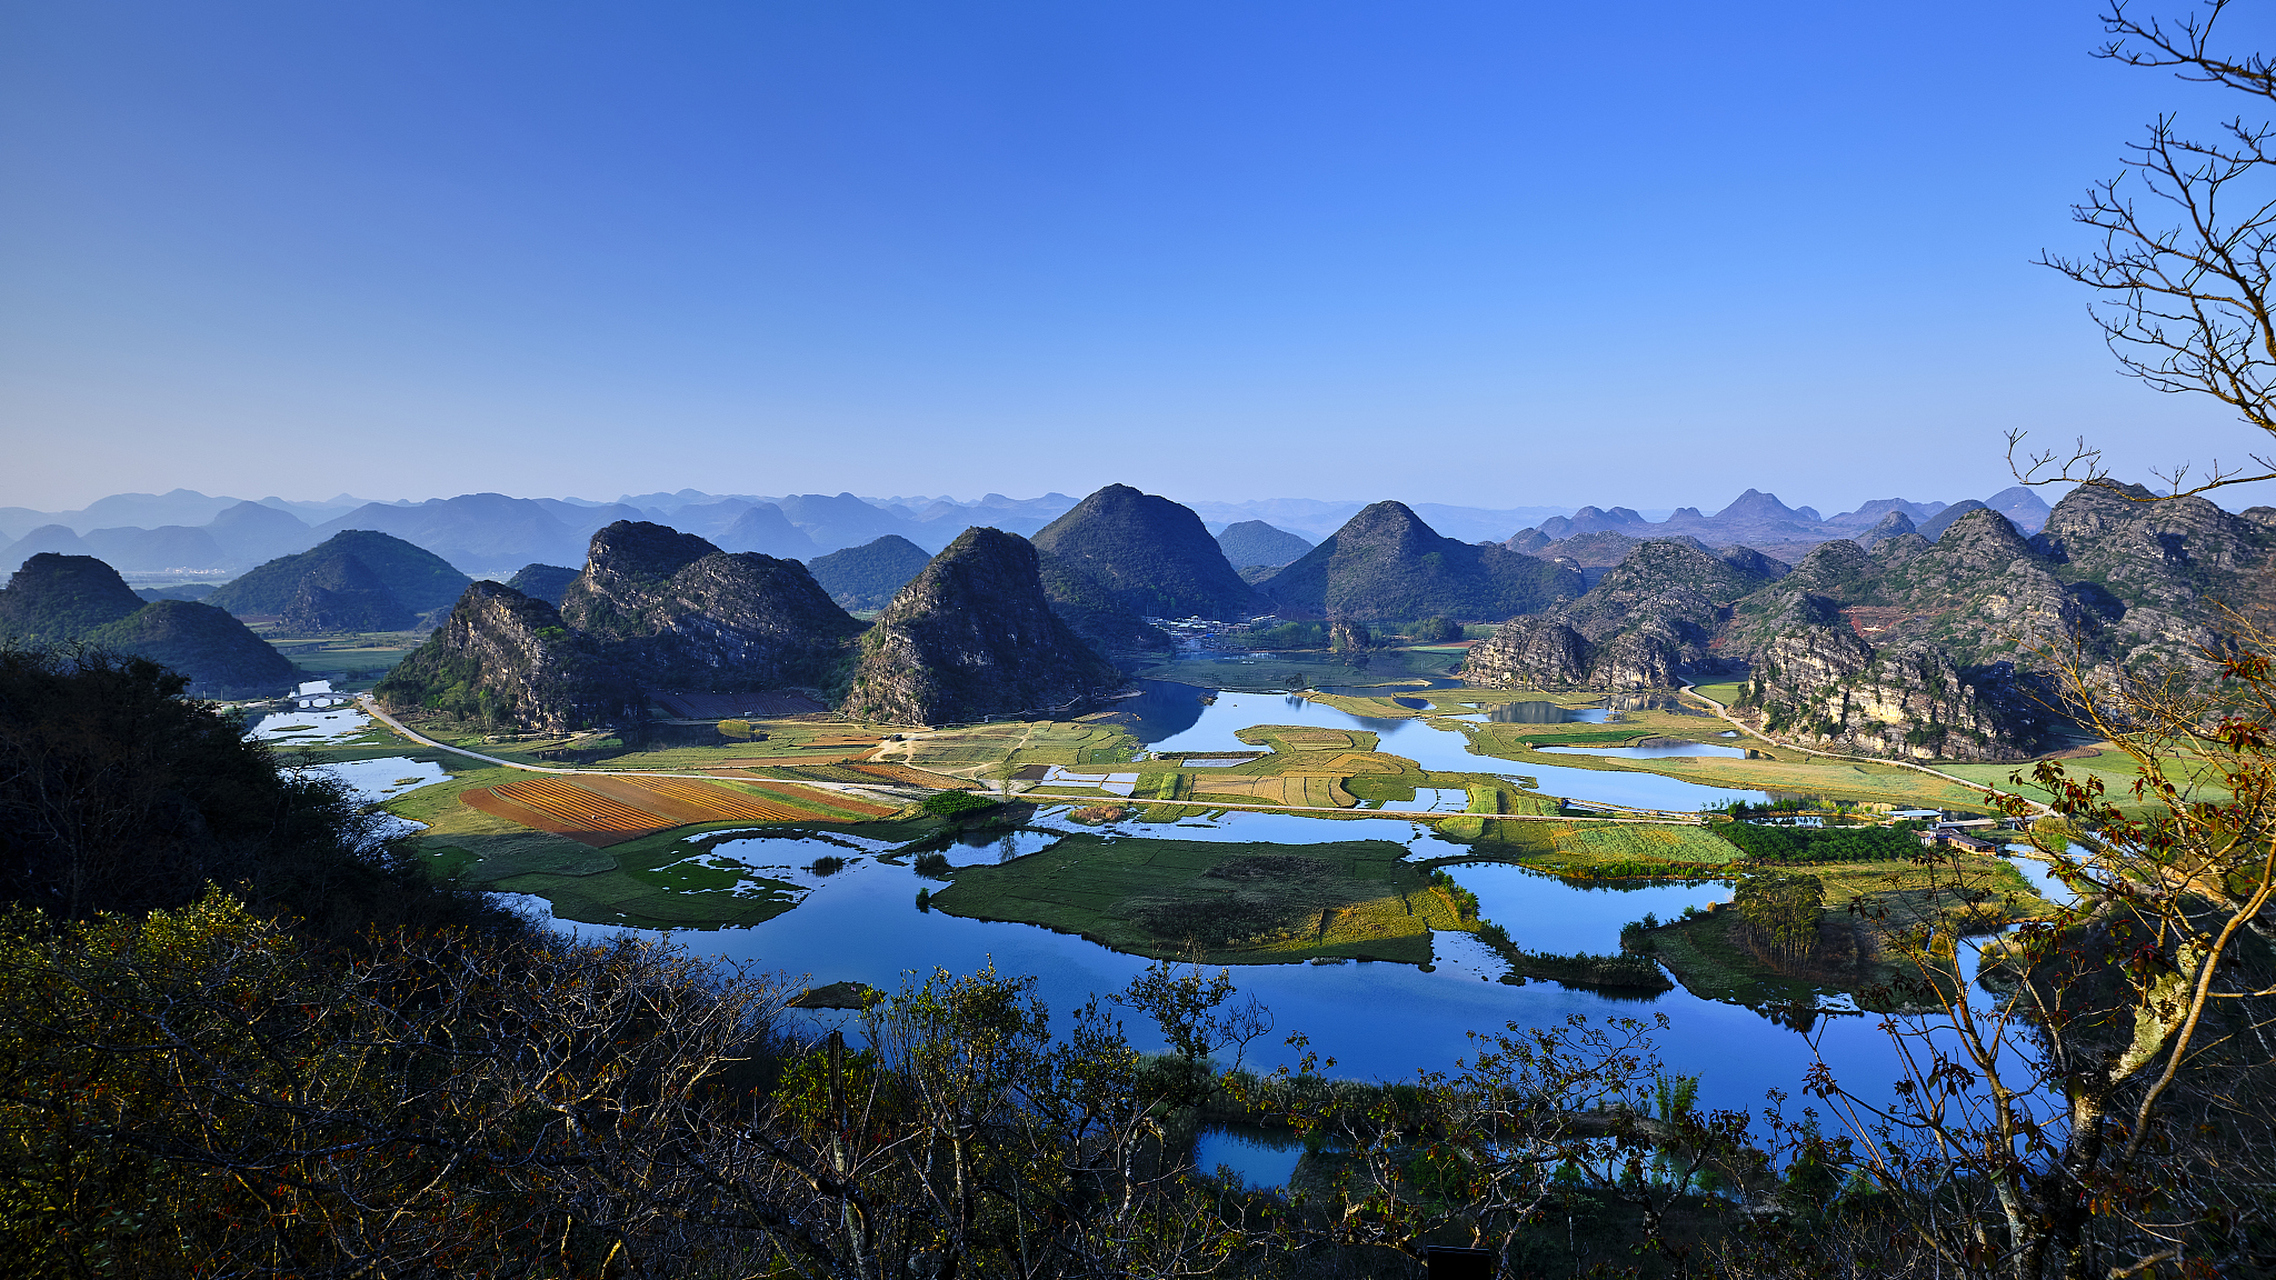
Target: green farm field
{"points": [[1709, 958], [352, 662], [661, 881], [1231, 904]]}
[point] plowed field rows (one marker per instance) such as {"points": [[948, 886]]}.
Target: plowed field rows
{"points": [[563, 808], [686, 800], [605, 809], [907, 776], [1291, 789], [813, 802]]}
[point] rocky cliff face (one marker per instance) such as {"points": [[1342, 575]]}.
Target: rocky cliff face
{"points": [[1919, 648], [676, 612], [1386, 565], [1648, 621], [2163, 570], [505, 657], [1824, 686], [973, 637], [1539, 652]]}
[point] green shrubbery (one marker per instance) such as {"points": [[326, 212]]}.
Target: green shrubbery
{"points": [[1833, 844], [1465, 902], [1440, 630], [954, 805], [1580, 969], [1781, 912], [1289, 635], [118, 795]]}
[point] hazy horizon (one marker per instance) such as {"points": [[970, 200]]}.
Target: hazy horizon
{"points": [[2226, 498]]}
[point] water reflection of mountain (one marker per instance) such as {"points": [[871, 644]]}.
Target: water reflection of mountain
{"points": [[1542, 713], [1162, 709], [1653, 702]]}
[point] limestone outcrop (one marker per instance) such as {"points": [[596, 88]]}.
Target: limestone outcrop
{"points": [[1894, 644], [504, 657], [973, 637], [1649, 620], [673, 611], [1530, 653]]}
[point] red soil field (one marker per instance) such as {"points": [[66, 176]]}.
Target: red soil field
{"points": [[601, 810], [686, 800]]}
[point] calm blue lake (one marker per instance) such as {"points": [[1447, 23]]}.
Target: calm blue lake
{"points": [[1377, 1020]]}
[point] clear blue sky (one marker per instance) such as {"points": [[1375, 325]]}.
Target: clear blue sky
{"points": [[1483, 253]]}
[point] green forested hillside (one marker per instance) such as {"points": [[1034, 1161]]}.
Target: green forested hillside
{"points": [[1152, 556], [542, 581], [57, 599], [866, 577], [1385, 564], [421, 580], [221, 657]]}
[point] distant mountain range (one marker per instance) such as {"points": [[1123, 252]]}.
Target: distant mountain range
{"points": [[1253, 544], [1758, 520], [238, 536], [996, 623], [150, 536], [1901, 628]]}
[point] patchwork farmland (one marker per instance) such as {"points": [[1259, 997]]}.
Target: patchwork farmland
{"points": [[602, 810]]}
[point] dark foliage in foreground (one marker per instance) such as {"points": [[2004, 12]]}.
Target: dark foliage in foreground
{"points": [[117, 794]]}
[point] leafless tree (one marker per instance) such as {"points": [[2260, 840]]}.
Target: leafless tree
{"points": [[2182, 276]]}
